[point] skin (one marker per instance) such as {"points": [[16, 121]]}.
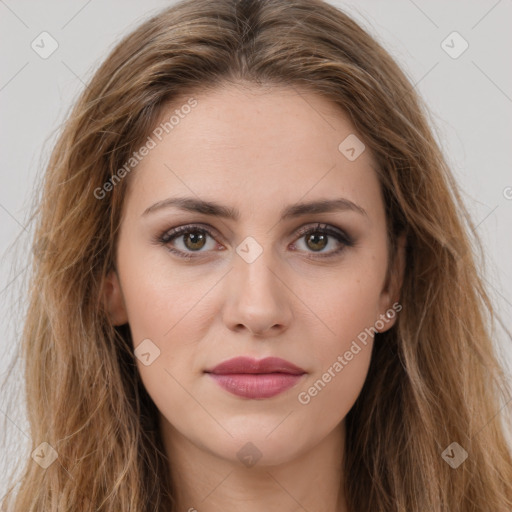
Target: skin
{"points": [[257, 150]]}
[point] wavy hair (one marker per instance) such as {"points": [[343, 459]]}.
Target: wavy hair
{"points": [[434, 378]]}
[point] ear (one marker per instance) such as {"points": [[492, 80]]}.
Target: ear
{"points": [[114, 300], [390, 295]]}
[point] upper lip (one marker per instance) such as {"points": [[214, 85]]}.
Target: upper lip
{"points": [[250, 365]]}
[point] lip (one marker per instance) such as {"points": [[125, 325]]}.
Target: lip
{"points": [[251, 378]]}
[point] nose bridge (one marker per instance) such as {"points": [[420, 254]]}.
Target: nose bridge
{"points": [[255, 268], [257, 298]]}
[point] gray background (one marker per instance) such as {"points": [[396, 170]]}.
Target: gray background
{"points": [[470, 99]]}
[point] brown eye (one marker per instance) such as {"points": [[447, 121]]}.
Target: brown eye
{"points": [[186, 240], [317, 238], [317, 242], [194, 240]]}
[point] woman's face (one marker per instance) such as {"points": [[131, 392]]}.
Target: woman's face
{"points": [[290, 263]]}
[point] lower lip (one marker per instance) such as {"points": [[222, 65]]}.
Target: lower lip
{"points": [[256, 385]]}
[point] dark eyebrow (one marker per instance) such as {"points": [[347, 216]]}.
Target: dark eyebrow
{"points": [[214, 209]]}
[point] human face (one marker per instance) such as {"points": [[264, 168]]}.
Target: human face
{"points": [[279, 293]]}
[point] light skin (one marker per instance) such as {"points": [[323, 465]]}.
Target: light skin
{"points": [[257, 151]]}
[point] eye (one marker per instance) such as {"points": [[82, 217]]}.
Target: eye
{"points": [[190, 238], [184, 241], [318, 237]]}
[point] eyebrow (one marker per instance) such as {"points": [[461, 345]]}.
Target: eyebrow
{"points": [[192, 204]]}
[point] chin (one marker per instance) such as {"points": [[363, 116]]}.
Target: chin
{"points": [[255, 447]]}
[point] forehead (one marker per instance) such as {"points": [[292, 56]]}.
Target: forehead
{"points": [[274, 143]]}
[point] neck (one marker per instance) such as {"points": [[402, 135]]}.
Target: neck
{"points": [[205, 482]]}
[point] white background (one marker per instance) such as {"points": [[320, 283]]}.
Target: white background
{"points": [[470, 99]]}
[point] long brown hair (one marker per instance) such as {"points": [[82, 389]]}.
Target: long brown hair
{"points": [[434, 378]]}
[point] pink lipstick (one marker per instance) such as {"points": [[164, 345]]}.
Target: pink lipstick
{"points": [[250, 378]]}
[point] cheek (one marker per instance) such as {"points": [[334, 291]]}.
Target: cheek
{"points": [[348, 306], [174, 315], [161, 304], [341, 355], [330, 394], [346, 302]]}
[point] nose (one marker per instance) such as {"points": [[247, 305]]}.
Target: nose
{"points": [[258, 298]]}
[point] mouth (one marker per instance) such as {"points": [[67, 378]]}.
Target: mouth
{"points": [[249, 378]]}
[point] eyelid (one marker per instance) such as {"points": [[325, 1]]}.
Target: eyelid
{"points": [[185, 228], [322, 226]]}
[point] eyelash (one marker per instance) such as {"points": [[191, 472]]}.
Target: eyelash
{"points": [[168, 236]]}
